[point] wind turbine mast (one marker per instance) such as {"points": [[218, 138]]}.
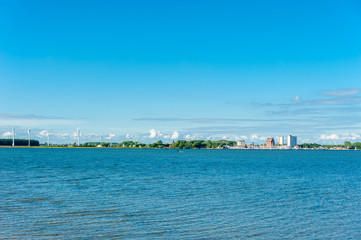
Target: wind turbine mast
{"points": [[29, 137], [78, 135], [13, 137], [47, 133]]}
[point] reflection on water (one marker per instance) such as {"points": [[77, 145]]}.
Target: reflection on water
{"points": [[114, 193]]}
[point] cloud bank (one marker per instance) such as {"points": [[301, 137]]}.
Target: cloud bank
{"points": [[343, 92]]}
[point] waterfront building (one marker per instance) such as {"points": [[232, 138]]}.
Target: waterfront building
{"points": [[250, 146], [241, 144], [291, 141], [270, 143], [281, 140]]}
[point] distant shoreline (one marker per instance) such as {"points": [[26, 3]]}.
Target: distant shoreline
{"points": [[182, 144], [179, 149]]}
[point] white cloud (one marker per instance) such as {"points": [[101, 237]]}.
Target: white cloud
{"points": [[44, 133], [342, 136], [63, 134], [36, 123], [135, 136], [243, 137], [175, 135], [354, 136], [189, 137], [297, 98], [343, 92], [7, 134], [333, 136], [111, 135], [254, 137], [153, 133]]}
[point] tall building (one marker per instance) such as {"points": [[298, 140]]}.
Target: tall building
{"points": [[270, 143], [281, 140], [291, 141]]}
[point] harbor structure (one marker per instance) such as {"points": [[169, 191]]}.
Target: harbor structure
{"points": [[291, 141]]}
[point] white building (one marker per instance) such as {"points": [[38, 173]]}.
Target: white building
{"points": [[291, 141], [281, 140], [241, 143]]}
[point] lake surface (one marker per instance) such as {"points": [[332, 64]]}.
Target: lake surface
{"points": [[192, 194]]}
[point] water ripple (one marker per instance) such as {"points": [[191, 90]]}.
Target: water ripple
{"points": [[161, 194]]}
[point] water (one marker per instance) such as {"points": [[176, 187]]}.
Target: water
{"points": [[192, 194]]}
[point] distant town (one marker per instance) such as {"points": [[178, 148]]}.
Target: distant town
{"points": [[291, 143], [270, 144]]}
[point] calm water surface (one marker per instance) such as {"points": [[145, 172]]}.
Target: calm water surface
{"points": [[193, 194]]}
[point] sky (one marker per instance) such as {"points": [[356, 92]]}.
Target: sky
{"points": [[165, 70]]}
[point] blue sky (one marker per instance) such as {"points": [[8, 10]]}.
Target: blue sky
{"points": [[149, 70]]}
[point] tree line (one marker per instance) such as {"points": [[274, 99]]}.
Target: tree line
{"points": [[202, 144], [347, 144], [18, 142], [180, 144]]}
